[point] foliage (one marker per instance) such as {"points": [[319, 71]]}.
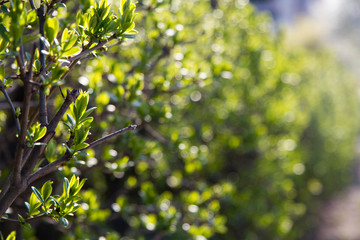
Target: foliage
{"points": [[238, 136]]}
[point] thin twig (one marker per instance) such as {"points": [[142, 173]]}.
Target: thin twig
{"points": [[2, 88], [87, 51], [67, 156], [30, 219], [12, 77], [106, 138]]}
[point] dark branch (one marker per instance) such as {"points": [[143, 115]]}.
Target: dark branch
{"points": [[30, 219], [67, 156], [32, 4], [42, 98], [108, 137], [22, 136], [3, 2]]}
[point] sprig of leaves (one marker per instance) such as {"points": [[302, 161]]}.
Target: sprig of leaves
{"points": [[78, 123], [35, 133], [58, 207]]}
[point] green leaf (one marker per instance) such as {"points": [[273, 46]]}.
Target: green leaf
{"points": [[11, 236], [30, 38], [41, 133], [66, 188], [88, 112], [34, 204], [55, 201], [28, 206], [51, 28], [21, 219], [82, 154], [64, 221], [68, 126], [71, 120], [58, 5], [4, 32], [81, 104], [130, 36], [38, 194], [31, 16], [45, 41], [2, 72], [72, 51], [46, 190], [4, 9], [67, 148]]}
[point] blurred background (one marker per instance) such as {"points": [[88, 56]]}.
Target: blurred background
{"points": [[248, 124], [331, 24]]}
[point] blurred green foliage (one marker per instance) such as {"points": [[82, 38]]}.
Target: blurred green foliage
{"points": [[239, 137]]}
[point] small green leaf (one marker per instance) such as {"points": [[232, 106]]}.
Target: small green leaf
{"points": [[45, 41], [55, 201], [31, 16], [82, 145], [28, 206], [58, 5], [71, 120], [11, 236], [2, 72], [88, 112], [66, 185], [21, 219], [81, 104], [4, 32], [38, 194], [46, 190], [51, 28], [130, 36], [67, 148], [64, 221], [72, 51], [82, 154], [4, 9]]}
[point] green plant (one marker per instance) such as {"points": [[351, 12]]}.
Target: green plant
{"points": [[40, 67], [238, 135]]}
